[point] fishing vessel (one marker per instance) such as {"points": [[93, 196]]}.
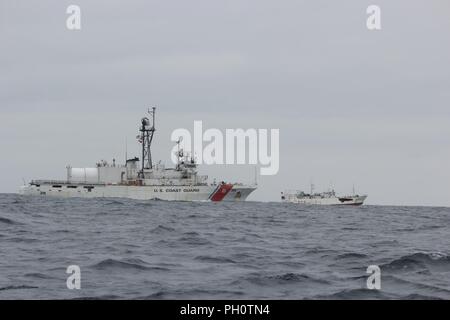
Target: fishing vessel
{"points": [[322, 198], [141, 179]]}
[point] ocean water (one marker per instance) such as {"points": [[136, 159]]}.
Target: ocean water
{"points": [[130, 249]]}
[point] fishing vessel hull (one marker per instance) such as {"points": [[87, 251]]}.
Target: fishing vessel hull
{"points": [[325, 200]]}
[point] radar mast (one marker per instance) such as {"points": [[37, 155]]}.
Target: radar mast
{"points": [[147, 131]]}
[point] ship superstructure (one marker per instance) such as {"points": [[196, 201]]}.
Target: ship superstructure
{"points": [[141, 179]]}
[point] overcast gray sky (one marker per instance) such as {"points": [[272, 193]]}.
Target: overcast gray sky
{"points": [[370, 108]]}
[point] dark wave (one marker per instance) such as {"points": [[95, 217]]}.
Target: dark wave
{"points": [[7, 221], [416, 296], [406, 229], [351, 255], [18, 201], [162, 229], [357, 294], [418, 260], [154, 296], [103, 213], [114, 203], [37, 275], [17, 287], [432, 227], [297, 277], [283, 279], [100, 297], [319, 250], [192, 294], [146, 204], [23, 239], [193, 238], [214, 259], [135, 264], [350, 228]]}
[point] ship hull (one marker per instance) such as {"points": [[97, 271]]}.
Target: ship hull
{"points": [[239, 193], [332, 201], [168, 193]]}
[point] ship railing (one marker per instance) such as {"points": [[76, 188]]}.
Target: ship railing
{"points": [[64, 182], [292, 191]]}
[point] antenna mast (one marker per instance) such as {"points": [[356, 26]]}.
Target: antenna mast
{"points": [[147, 130], [180, 152], [126, 150]]}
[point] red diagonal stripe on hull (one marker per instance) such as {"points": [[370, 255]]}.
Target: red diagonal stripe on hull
{"points": [[221, 192]]}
